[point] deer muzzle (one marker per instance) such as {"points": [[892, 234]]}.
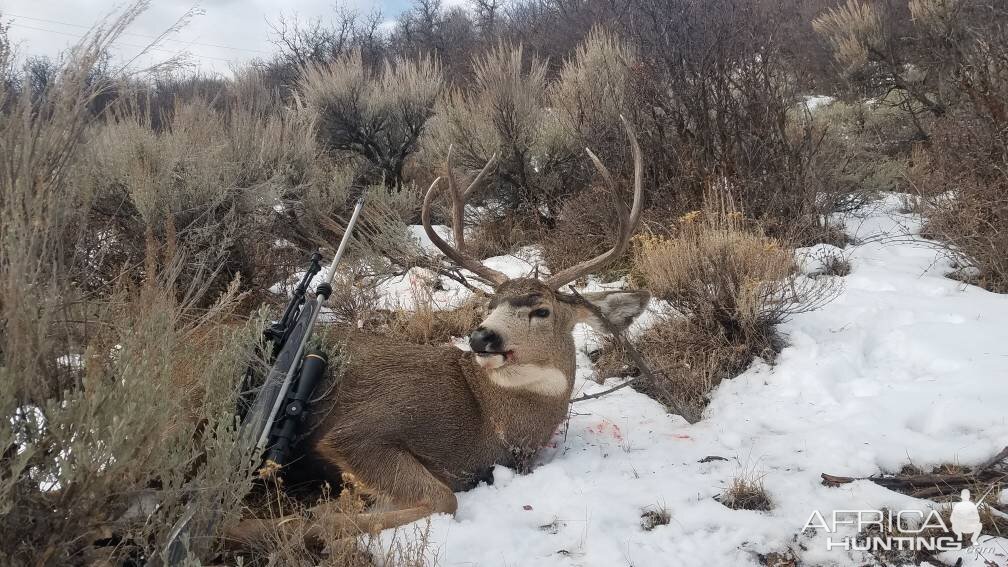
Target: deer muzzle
{"points": [[488, 346]]}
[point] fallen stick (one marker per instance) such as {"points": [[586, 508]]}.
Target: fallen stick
{"points": [[929, 485], [643, 366]]}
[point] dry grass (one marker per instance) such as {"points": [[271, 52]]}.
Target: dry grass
{"points": [[291, 542], [836, 265], [786, 558], [428, 323], [746, 492], [654, 517], [723, 274], [687, 359]]}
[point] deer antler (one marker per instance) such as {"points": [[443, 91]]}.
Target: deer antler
{"points": [[627, 224], [458, 199], [457, 253]]}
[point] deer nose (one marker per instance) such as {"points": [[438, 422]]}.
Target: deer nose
{"points": [[484, 340]]}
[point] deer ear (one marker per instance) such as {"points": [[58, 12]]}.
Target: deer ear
{"points": [[621, 307]]}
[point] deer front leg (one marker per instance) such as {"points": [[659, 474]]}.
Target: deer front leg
{"points": [[405, 489]]}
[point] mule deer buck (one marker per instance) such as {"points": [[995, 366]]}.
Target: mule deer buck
{"points": [[413, 424]]}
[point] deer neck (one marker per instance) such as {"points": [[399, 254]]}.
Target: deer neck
{"points": [[547, 380], [531, 378]]}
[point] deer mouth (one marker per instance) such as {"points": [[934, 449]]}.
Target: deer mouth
{"points": [[493, 359]]}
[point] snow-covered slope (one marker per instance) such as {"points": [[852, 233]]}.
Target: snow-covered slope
{"points": [[905, 365]]}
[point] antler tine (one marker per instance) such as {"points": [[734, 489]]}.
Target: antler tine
{"points": [[459, 197], [479, 176], [621, 210], [462, 260], [625, 232], [457, 202]]}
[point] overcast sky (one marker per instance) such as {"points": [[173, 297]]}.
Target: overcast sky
{"points": [[224, 32]]}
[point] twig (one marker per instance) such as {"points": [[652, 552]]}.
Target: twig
{"points": [[643, 366], [604, 392]]}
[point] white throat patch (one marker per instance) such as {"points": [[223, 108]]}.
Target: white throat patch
{"points": [[544, 380]]}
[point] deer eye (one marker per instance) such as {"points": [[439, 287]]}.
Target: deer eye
{"points": [[541, 312]]}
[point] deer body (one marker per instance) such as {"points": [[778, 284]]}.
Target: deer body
{"points": [[438, 405], [413, 424]]}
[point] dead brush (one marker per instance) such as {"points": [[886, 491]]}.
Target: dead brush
{"points": [[584, 229], [655, 516], [687, 361], [354, 301], [427, 323], [730, 286], [304, 543], [497, 235], [746, 492], [836, 265], [722, 272]]}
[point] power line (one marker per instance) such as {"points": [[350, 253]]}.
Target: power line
{"points": [[219, 46], [144, 47]]}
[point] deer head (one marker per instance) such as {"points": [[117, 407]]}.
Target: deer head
{"points": [[530, 320]]}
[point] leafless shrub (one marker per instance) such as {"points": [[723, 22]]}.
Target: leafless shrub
{"points": [[355, 300], [99, 446], [306, 42], [729, 286], [961, 175], [500, 232], [717, 91], [725, 274], [448, 32], [504, 112], [864, 150], [962, 189], [585, 229], [376, 115], [836, 265]]}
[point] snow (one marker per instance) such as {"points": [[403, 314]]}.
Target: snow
{"points": [[404, 291], [905, 365], [815, 260], [417, 233], [812, 102]]}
